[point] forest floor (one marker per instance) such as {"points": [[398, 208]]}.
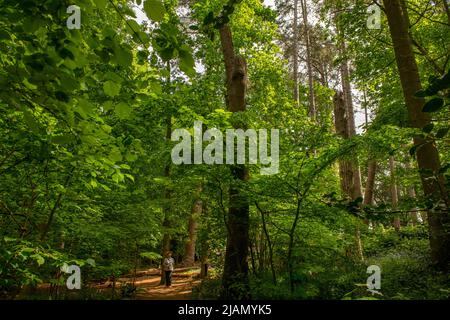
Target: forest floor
{"points": [[146, 282], [148, 286]]}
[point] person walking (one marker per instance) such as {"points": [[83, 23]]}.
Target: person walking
{"points": [[168, 264]]}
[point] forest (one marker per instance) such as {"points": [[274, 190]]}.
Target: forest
{"points": [[276, 149]]}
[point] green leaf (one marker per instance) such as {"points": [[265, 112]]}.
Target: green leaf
{"points": [[105, 187], [85, 105], [133, 26], [128, 11], [93, 183], [155, 86], [433, 105], [115, 155], [39, 259], [123, 56], [187, 62], [68, 83], [113, 77], [111, 88], [79, 263], [31, 121], [108, 105], [117, 177], [442, 133], [143, 37], [64, 139], [90, 262], [154, 9], [151, 255], [167, 53], [123, 110], [131, 157], [101, 4], [70, 64], [29, 85], [142, 56], [106, 128]]}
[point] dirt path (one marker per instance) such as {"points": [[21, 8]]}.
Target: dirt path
{"points": [[148, 287], [146, 282]]}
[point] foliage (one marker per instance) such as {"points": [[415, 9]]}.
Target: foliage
{"points": [[86, 176]]}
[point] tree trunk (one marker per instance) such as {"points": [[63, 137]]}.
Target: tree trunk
{"points": [[252, 258], [189, 252], [350, 116], [356, 191], [427, 154], [345, 127], [414, 216], [165, 246], [346, 168], [372, 167], [394, 193], [295, 53], [235, 275], [356, 188], [312, 105], [412, 195], [167, 192], [370, 183], [340, 124], [370, 186], [204, 245]]}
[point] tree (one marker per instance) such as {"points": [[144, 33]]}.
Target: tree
{"points": [[311, 98], [295, 52], [394, 193], [427, 154], [235, 276], [189, 253]]}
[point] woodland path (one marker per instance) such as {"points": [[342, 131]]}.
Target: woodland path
{"points": [[148, 287]]}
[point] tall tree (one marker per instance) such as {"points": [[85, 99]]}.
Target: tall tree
{"points": [[311, 97], [165, 246], [427, 153], [295, 52], [346, 171], [349, 110], [235, 275]]}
